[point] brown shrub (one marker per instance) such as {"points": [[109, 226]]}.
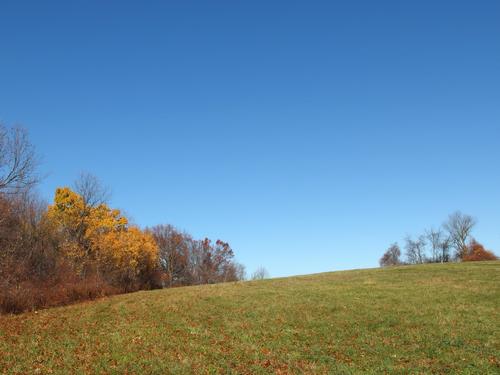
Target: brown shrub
{"points": [[63, 288], [477, 252]]}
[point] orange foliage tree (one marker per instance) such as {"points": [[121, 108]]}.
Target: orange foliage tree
{"points": [[477, 252]]}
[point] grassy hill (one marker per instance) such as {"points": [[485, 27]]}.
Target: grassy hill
{"points": [[419, 319]]}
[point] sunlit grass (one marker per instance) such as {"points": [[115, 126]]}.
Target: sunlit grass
{"points": [[419, 319]]}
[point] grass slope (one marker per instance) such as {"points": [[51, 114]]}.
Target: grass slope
{"points": [[419, 319]]}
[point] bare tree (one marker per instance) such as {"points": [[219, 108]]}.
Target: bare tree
{"points": [[440, 245], [260, 274], [92, 190], [459, 227], [436, 239], [444, 248], [415, 250], [173, 254], [391, 257], [240, 271], [18, 160]]}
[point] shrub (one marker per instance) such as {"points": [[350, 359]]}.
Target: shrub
{"points": [[477, 252], [18, 294]]}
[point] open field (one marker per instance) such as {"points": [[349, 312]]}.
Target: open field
{"points": [[418, 319]]}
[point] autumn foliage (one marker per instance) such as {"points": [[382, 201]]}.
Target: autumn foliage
{"points": [[78, 247], [98, 239], [73, 250], [477, 252], [186, 261]]}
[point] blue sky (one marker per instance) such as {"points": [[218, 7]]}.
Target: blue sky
{"points": [[310, 135]]}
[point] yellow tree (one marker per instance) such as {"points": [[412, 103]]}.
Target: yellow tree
{"points": [[127, 256], [101, 237], [72, 216]]}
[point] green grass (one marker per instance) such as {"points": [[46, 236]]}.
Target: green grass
{"points": [[418, 319]]}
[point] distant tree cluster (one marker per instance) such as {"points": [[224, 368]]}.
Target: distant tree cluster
{"points": [[260, 274], [186, 261], [80, 248], [452, 242]]}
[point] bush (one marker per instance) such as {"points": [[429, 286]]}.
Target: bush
{"points": [[477, 252], [18, 295]]}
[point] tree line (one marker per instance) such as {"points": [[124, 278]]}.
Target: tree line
{"points": [[78, 247], [453, 241]]}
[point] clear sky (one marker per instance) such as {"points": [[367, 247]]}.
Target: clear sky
{"points": [[309, 135]]}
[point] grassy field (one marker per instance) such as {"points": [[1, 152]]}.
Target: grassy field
{"points": [[418, 319]]}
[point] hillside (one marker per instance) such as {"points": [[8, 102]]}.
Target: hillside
{"points": [[430, 318]]}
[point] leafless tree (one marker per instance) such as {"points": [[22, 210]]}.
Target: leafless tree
{"points": [[444, 250], [240, 271], [173, 254], [27, 239], [435, 238], [459, 227], [260, 274], [92, 190], [18, 160], [415, 250], [391, 257]]}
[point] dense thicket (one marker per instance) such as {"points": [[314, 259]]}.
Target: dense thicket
{"points": [[78, 247]]}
